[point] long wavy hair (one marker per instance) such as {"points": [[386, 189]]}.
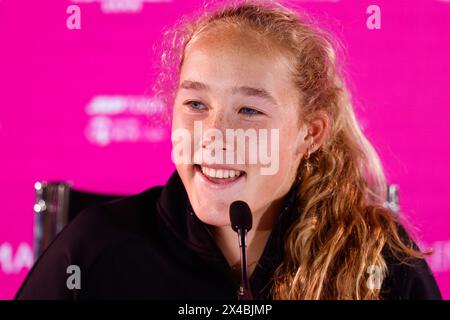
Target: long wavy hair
{"points": [[344, 225]]}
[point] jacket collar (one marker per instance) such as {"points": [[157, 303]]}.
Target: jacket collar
{"points": [[176, 211]]}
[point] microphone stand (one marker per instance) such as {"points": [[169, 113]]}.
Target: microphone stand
{"points": [[244, 289], [241, 223]]}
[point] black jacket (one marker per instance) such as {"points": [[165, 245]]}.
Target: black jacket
{"points": [[151, 245]]}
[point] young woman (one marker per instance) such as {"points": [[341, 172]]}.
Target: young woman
{"points": [[320, 227]]}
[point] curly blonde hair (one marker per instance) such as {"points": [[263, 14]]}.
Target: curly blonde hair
{"points": [[344, 225]]}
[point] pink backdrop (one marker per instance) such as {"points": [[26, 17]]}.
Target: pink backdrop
{"points": [[73, 106]]}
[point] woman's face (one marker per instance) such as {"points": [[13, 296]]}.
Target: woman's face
{"points": [[227, 84]]}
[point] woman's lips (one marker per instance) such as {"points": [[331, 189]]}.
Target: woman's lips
{"points": [[217, 182]]}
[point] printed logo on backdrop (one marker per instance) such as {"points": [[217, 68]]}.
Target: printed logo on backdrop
{"points": [[124, 119], [11, 263], [120, 6]]}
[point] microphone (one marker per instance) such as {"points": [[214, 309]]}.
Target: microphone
{"points": [[241, 222]]}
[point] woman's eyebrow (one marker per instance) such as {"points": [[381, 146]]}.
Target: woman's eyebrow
{"points": [[245, 90]]}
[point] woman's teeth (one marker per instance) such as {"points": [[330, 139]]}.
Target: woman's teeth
{"points": [[220, 173]]}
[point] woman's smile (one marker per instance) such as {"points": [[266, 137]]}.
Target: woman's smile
{"points": [[217, 178]]}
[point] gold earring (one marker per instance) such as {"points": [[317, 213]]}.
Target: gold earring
{"points": [[308, 153]]}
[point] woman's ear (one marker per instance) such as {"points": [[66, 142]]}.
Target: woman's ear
{"points": [[314, 131]]}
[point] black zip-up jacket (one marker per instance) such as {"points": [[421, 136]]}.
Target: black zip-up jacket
{"points": [[153, 246]]}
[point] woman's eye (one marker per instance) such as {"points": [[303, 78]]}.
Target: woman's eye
{"points": [[195, 105], [249, 111]]}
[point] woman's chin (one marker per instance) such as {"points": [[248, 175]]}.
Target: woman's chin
{"points": [[214, 216]]}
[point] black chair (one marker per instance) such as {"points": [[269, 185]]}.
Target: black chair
{"points": [[392, 200], [56, 204]]}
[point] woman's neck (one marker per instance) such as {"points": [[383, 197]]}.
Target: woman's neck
{"points": [[257, 238]]}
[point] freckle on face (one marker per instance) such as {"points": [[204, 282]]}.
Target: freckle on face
{"points": [[221, 66]]}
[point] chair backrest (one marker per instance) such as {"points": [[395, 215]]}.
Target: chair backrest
{"points": [[392, 200], [56, 204]]}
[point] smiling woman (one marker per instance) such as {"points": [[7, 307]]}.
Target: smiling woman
{"points": [[320, 227]]}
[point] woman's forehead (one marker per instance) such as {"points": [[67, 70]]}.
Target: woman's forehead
{"points": [[241, 64]]}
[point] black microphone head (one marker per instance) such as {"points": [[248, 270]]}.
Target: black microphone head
{"points": [[240, 216]]}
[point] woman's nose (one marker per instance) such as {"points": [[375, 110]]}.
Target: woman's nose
{"points": [[217, 121]]}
